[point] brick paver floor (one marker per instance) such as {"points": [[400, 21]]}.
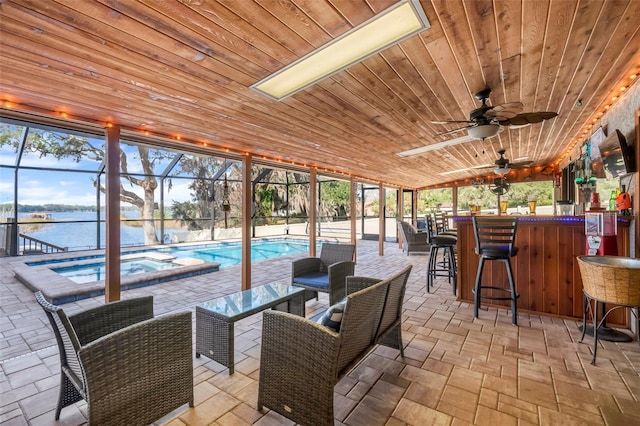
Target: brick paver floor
{"points": [[457, 370]]}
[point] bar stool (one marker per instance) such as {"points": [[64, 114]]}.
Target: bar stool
{"points": [[431, 227], [446, 268], [442, 225], [494, 241]]}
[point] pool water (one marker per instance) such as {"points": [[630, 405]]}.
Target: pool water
{"points": [[226, 254], [230, 254], [97, 271]]}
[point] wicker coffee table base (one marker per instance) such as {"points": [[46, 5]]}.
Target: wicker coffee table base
{"points": [[215, 331]]}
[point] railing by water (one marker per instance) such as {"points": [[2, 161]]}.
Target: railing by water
{"points": [[30, 245]]}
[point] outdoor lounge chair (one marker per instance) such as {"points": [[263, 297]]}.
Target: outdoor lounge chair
{"points": [[326, 273], [412, 240], [130, 367]]}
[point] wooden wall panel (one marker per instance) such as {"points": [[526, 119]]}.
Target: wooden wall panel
{"points": [[565, 269]]}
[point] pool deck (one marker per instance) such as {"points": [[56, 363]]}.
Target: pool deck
{"points": [[457, 370]]}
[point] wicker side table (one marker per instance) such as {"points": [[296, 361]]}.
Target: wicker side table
{"points": [[608, 280], [215, 318]]}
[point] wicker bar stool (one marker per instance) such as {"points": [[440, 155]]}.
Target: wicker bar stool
{"points": [[495, 237], [608, 280]]}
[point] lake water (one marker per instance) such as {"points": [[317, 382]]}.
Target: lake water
{"points": [[82, 236]]}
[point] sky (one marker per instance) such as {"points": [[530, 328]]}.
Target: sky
{"points": [[61, 186], [52, 187]]}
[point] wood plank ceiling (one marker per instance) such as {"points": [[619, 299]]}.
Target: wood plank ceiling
{"points": [[184, 68]]}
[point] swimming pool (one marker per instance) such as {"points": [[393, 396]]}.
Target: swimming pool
{"points": [[97, 271], [230, 254], [92, 268], [142, 266]]}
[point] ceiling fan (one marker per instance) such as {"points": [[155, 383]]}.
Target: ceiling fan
{"points": [[485, 122], [499, 186], [502, 165]]}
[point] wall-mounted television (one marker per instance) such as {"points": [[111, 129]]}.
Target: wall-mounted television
{"points": [[617, 157]]}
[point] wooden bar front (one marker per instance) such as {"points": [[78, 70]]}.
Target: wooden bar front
{"points": [[545, 270]]}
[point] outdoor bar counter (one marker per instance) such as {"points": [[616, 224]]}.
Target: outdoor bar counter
{"points": [[545, 269]]}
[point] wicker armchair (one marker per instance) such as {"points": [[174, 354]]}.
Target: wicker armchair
{"points": [[130, 367], [326, 273], [301, 361], [611, 280], [412, 240]]}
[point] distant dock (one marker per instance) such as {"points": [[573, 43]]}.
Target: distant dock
{"points": [[40, 215]]}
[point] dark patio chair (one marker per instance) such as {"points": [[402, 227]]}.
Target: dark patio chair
{"points": [[412, 240], [130, 367], [327, 273]]}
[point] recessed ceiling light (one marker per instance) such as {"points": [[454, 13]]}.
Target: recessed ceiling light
{"points": [[393, 25]]}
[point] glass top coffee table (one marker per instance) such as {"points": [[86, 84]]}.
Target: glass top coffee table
{"points": [[215, 318]]}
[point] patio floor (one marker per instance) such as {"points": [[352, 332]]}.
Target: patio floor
{"points": [[457, 370]]}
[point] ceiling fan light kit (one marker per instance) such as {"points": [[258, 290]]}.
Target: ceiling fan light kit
{"points": [[504, 166], [483, 131]]}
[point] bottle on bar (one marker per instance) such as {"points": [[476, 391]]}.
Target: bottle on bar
{"points": [[612, 201]]}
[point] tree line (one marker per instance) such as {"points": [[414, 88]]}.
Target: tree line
{"points": [[52, 208]]}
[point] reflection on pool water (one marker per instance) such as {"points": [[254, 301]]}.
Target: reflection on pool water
{"points": [[92, 268], [97, 271], [230, 254]]}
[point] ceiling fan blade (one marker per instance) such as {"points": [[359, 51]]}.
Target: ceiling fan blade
{"points": [[482, 166], [521, 165], [434, 146], [451, 121], [528, 118], [518, 126], [505, 111], [448, 132]]}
